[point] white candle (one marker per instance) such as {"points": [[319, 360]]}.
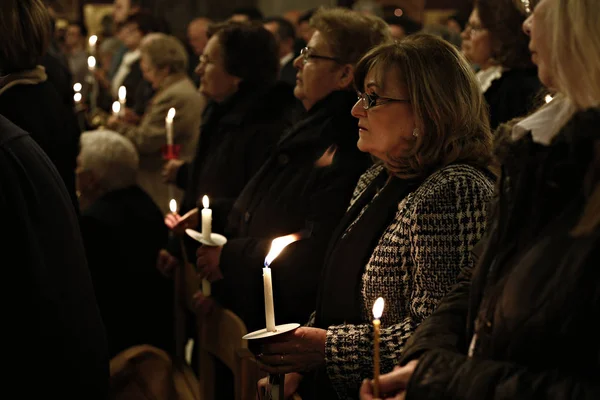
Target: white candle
{"points": [[169, 123], [173, 206], [116, 108], [206, 219], [377, 311], [91, 63], [269, 306], [77, 87], [92, 42], [122, 99], [77, 97], [277, 246]]}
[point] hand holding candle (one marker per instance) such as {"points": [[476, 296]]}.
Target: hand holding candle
{"points": [[377, 311], [277, 246]]}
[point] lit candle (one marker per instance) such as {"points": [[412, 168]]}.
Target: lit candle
{"points": [[116, 108], [277, 246], [206, 219], [173, 206], [122, 98], [77, 87], [92, 41], [91, 63], [377, 311], [169, 122], [77, 97]]}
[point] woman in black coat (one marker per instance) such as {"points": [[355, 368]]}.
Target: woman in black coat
{"points": [[245, 115], [508, 79], [523, 327], [304, 186], [27, 99]]}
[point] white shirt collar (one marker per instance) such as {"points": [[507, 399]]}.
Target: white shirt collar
{"points": [[545, 123], [487, 76], [286, 59]]}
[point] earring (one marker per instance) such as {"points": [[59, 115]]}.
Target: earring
{"points": [[416, 132]]}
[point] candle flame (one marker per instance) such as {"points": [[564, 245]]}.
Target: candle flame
{"points": [[77, 97], [92, 62], [122, 93], [378, 308], [277, 246], [173, 206], [548, 98], [116, 107], [205, 202], [171, 115], [77, 87], [93, 40]]}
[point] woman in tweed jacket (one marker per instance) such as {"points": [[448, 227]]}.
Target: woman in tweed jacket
{"points": [[412, 221]]}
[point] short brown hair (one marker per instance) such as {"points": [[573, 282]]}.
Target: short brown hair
{"points": [[25, 31], [450, 111], [504, 21], [350, 34], [250, 52]]}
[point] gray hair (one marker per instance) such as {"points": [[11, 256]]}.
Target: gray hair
{"points": [[165, 51], [112, 159]]}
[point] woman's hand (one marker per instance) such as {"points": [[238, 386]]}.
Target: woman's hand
{"points": [[203, 305], [298, 351], [392, 386], [292, 382], [208, 259], [169, 171], [166, 263], [179, 224]]}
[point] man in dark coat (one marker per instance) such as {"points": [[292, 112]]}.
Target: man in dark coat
{"points": [[54, 338], [123, 231]]}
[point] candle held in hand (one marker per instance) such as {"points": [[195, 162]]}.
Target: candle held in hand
{"points": [[206, 219], [277, 246], [91, 63], [377, 311], [92, 42], [169, 123], [173, 206], [116, 108], [122, 99]]}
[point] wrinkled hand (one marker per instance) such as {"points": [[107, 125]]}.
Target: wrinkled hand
{"points": [[392, 386], [207, 261], [131, 117], [203, 305], [298, 351], [113, 121], [166, 263], [178, 224], [169, 171], [292, 382]]}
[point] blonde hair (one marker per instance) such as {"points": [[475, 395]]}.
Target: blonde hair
{"points": [[575, 49], [165, 51], [450, 112], [350, 34]]}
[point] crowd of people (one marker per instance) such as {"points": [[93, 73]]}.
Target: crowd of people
{"points": [[453, 175]]}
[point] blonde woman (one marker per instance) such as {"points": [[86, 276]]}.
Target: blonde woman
{"points": [[523, 327]]}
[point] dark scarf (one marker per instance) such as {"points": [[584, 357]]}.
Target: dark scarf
{"points": [[339, 300]]}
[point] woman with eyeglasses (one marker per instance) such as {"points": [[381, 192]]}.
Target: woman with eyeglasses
{"points": [[411, 223], [304, 186], [493, 41], [524, 325]]}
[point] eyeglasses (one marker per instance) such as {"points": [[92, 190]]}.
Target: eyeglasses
{"points": [[307, 53], [372, 100], [473, 29]]}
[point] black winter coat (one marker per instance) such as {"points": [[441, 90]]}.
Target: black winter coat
{"points": [[528, 314], [295, 190]]}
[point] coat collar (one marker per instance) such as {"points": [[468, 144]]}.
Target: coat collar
{"points": [[29, 77]]}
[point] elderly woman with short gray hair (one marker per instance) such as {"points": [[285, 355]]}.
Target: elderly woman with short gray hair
{"points": [[122, 231], [164, 65]]}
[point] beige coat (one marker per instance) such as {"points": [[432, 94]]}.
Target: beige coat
{"points": [[149, 136]]}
